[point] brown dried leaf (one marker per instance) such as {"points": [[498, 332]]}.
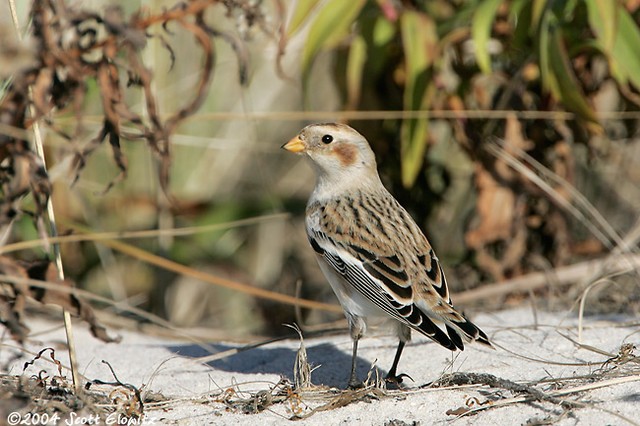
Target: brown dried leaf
{"points": [[500, 219], [458, 411], [13, 301], [514, 143], [495, 208]]}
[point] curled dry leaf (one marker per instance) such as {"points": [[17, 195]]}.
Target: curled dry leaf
{"points": [[14, 297], [500, 219], [500, 211], [72, 48], [70, 51]]}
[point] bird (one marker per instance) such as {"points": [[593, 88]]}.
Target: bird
{"points": [[373, 254]]}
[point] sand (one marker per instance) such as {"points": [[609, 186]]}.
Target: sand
{"points": [[529, 349]]}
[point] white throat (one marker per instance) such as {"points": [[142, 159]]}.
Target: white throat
{"points": [[336, 184]]}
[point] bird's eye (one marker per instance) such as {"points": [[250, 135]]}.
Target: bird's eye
{"points": [[327, 139]]}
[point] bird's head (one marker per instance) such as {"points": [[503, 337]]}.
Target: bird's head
{"points": [[337, 151]]}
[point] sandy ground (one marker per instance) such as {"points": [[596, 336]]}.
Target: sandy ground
{"points": [[531, 348]]}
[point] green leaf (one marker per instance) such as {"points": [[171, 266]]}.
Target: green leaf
{"points": [[481, 27], [419, 40], [300, 14], [516, 8], [557, 73], [538, 9], [330, 27], [355, 65], [414, 134], [549, 82], [520, 16], [383, 32], [603, 18], [568, 90], [420, 43], [624, 57], [618, 38]]}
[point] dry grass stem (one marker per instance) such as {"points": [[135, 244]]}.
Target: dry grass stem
{"points": [[563, 275], [301, 369], [601, 234], [86, 235], [170, 265], [405, 114], [583, 301], [96, 298], [39, 148]]}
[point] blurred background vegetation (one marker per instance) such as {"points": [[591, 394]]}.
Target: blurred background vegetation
{"points": [[509, 130]]}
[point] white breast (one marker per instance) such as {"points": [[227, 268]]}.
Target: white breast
{"points": [[351, 300]]}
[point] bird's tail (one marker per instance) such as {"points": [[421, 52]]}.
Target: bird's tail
{"points": [[465, 331], [457, 331]]}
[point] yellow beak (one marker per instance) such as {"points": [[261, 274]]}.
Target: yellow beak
{"points": [[295, 145]]}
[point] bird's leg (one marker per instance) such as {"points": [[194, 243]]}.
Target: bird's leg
{"points": [[404, 333], [357, 327], [391, 376], [353, 379]]}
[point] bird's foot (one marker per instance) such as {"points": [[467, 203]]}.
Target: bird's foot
{"points": [[396, 380]]}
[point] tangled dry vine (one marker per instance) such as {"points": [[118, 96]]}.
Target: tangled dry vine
{"points": [[71, 50]]}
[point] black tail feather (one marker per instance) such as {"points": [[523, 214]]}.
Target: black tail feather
{"points": [[455, 337], [457, 332], [472, 332], [429, 329]]}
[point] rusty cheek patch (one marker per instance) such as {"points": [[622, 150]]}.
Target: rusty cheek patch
{"points": [[346, 154]]}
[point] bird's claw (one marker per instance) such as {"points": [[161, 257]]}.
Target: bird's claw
{"points": [[397, 379]]}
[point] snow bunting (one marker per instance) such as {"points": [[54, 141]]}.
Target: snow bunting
{"points": [[373, 254]]}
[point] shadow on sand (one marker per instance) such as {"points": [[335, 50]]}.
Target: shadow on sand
{"points": [[334, 364]]}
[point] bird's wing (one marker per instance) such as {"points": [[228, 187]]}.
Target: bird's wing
{"points": [[397, 304], [380, 251]]}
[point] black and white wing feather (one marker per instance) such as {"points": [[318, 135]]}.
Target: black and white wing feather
{"points": [[374, 245]]}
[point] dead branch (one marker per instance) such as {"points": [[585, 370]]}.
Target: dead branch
{"points": [[561, 276]]}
